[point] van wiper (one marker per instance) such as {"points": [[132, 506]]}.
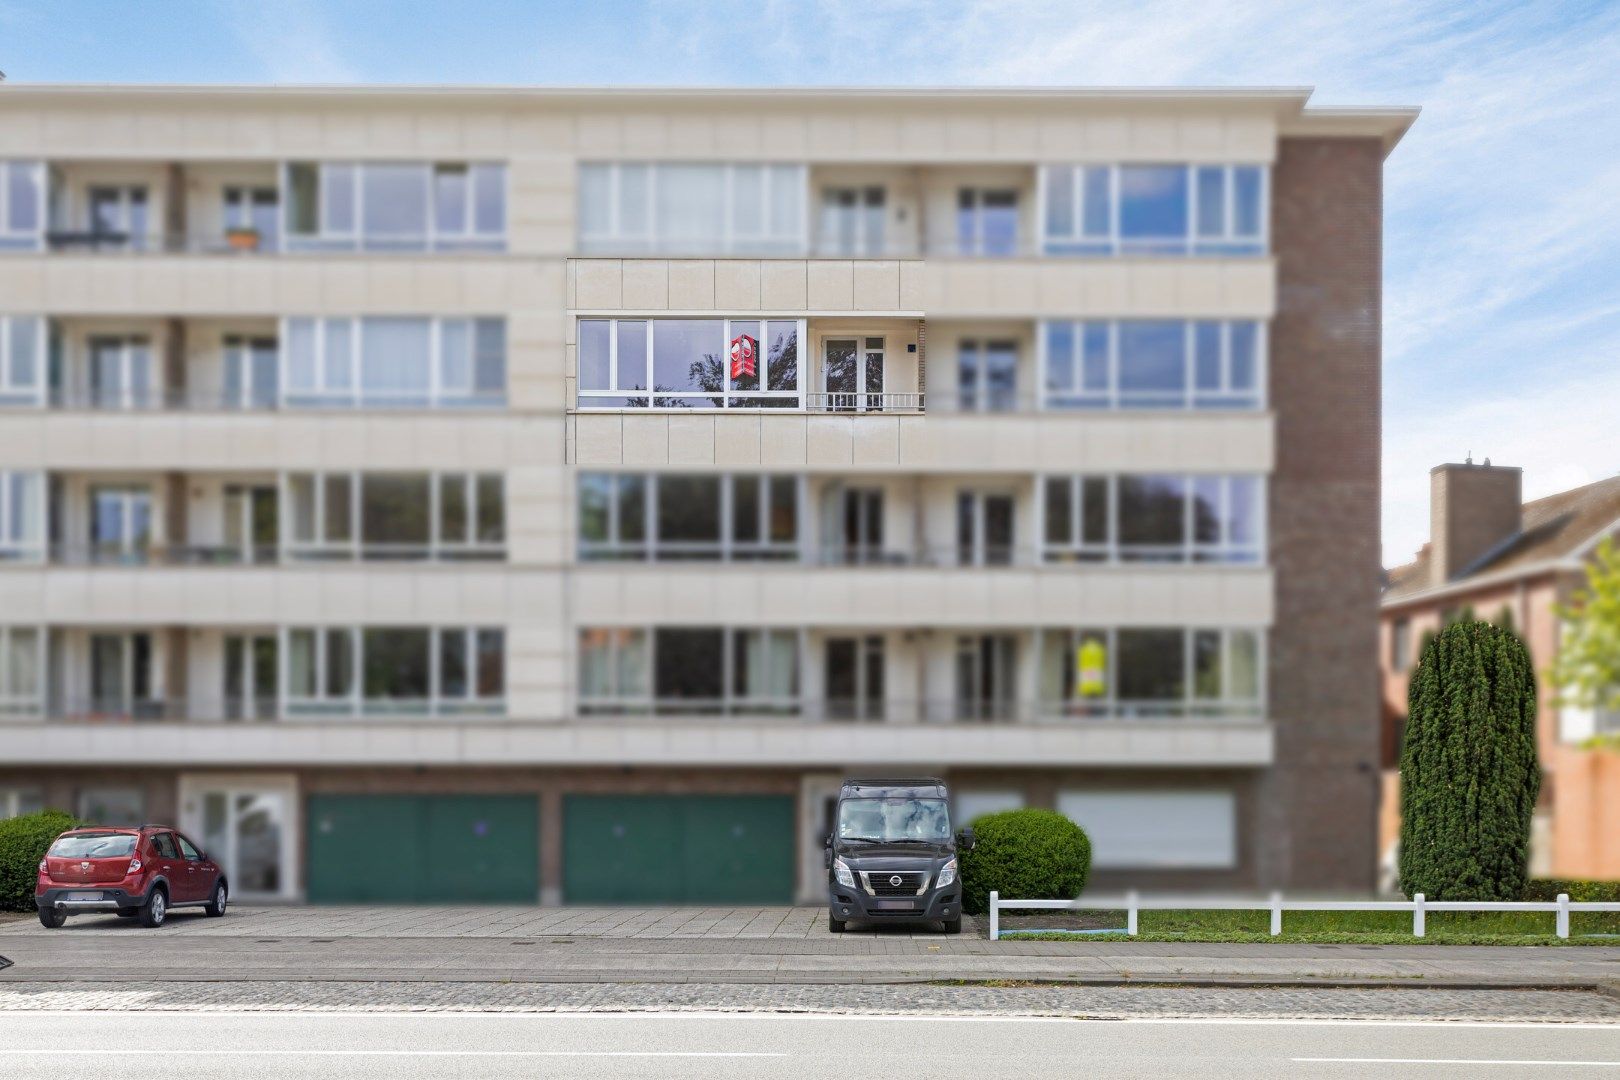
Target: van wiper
{"points": [[863, 839]]}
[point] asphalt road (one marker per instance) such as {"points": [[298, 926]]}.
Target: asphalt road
{"points": [[224, 1046]]}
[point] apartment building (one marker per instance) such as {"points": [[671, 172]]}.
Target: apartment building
{"points": [[574, 485], [1493, 556]]}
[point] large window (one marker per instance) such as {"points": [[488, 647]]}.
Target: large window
{"points": [[668, 517], [394, 362], [394, 206], [22, 360], [690, 363], [690, 670], [1154, 364], [395, 671], [22, 516], [22, 205], [697, 209], [344, 515], [1171, 517], [1147, 672], [1154, 209], [986, 222], [22, 671], [987, 375]]}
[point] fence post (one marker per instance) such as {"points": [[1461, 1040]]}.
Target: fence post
{"points": [[995, 915], [1417, 915], [1130, 913], [1276, 914], [1563, 915]]}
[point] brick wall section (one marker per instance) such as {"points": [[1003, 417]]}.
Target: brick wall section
{"points": [[1317, 814]]}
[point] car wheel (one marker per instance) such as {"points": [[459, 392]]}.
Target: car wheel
{"points": [[953, 926], [156, 909], [216, 906], [835, 926], [51, 917]]}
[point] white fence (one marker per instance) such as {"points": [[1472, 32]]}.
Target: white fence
{"points": [[1132, 904]]}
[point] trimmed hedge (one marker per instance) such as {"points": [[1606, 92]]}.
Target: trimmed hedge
{"points": [[1580, 891], [1024, 855], [1469, 773], [23, 841]]}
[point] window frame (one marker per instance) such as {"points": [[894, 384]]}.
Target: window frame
{"points": [[656, 240], [726, 550], [12, 393], [1189, 706], [1078, 242], [354, 395], [14, 705], [1224, 552], [23, 239], [616, 395], [1189, 398], [355, 703], [430, 239], [357, 548], [730, 703]]}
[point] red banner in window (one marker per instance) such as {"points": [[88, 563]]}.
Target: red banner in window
{"points": [[743, 349]]}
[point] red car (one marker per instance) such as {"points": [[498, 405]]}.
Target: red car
{"points": [[136, 872]]}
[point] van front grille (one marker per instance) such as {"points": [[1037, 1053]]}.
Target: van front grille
{"points": [[894, 882]]}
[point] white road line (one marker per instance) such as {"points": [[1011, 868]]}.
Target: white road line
{"points": [[1451, 1061], [233, 1052]]}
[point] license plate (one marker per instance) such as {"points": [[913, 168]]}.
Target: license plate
{"points": [[84, 896], [895, 905]]}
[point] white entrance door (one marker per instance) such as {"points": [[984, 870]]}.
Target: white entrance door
{"points": [[852, 374], [247, 825]]}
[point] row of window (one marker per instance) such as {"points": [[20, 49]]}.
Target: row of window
{"points": [[1136, 671]]}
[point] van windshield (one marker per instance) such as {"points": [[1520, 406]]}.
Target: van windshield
{"points": [[94, 846], [894, 819]]}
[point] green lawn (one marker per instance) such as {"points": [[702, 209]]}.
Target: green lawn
{"points": [[1324, 927]]}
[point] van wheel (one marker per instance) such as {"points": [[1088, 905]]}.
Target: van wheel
{"points": [[51, 918], [156, 909], [953, 926], [216, 907], [835, 926]]}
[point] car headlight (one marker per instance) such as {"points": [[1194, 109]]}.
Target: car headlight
{"points": [[843, 874], [947, 875]]}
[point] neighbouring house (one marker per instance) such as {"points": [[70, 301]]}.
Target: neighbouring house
{"points": [[584, 482], [1514, 563]]}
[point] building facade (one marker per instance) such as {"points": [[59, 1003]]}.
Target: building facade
{"points": [[1492, 556], [579, 484]]}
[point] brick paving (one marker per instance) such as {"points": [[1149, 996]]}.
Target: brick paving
{"points": [[925, 999]]}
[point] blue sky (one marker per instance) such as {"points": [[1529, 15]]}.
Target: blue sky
{"points": [[1502, 246]]}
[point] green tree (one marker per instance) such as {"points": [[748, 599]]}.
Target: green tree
{"points": [[1469, 773], [1587, 668]]}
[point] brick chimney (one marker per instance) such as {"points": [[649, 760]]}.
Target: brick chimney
{"points": [[1472, 508]]}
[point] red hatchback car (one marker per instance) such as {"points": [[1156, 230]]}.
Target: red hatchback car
{"points": [[136, 872]]}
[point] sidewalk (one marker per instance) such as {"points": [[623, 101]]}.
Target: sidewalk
{"points": [[746, 945]]}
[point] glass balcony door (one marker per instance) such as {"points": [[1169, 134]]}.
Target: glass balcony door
{"points": [[852, 374], [251, 523], [120, 524], [854, 679], [852, 525], [118, 216], [984, 528], [852, 221], [250, 677], [251, 372], [120, 674], [120, 372], [986, 669]]}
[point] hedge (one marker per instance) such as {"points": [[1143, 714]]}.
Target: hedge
{"points": [[23, 841], [1580, 891], [1469, 774], [1024, 855]]}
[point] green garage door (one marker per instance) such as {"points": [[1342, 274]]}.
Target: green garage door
{"points": [[423, 848], [679, 849]]}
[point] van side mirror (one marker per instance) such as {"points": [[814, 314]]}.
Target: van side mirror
{"points": [[827, 850], [965, 840]]}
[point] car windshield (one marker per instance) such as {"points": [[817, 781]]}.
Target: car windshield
{"points": [[94, 846], [893, 819]]}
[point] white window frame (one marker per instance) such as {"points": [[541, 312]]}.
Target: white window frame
{"points": [[1109, 704], [863, 244], [728, 549], [27, 239], [237, 353], [978, 193], [127, 395], [1078, 242], [728, 704], [614, 391], [1075, 398], [125, 203], [27, 549], [430, 238], [12, 704], [1225, 552], [980, 347], [355, 704], [656, 239], [13, 393], [438, 548], [354, 395]]}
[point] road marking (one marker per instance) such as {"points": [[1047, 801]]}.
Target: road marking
{"points": [[109, 1052], [1451, 1061]]}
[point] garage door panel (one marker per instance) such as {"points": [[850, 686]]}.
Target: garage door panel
{"points": [[739, 849], [359, 847]]}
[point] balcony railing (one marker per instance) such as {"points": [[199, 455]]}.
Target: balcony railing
{"points": [[262, 554], [159, 399], [126, 709], [927, 556], [945, 712], [863, 402]]}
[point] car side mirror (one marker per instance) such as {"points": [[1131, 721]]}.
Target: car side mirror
{"points": [[965, 840]]}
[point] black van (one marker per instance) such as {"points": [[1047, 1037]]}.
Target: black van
{"points": [[892, 855]]}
